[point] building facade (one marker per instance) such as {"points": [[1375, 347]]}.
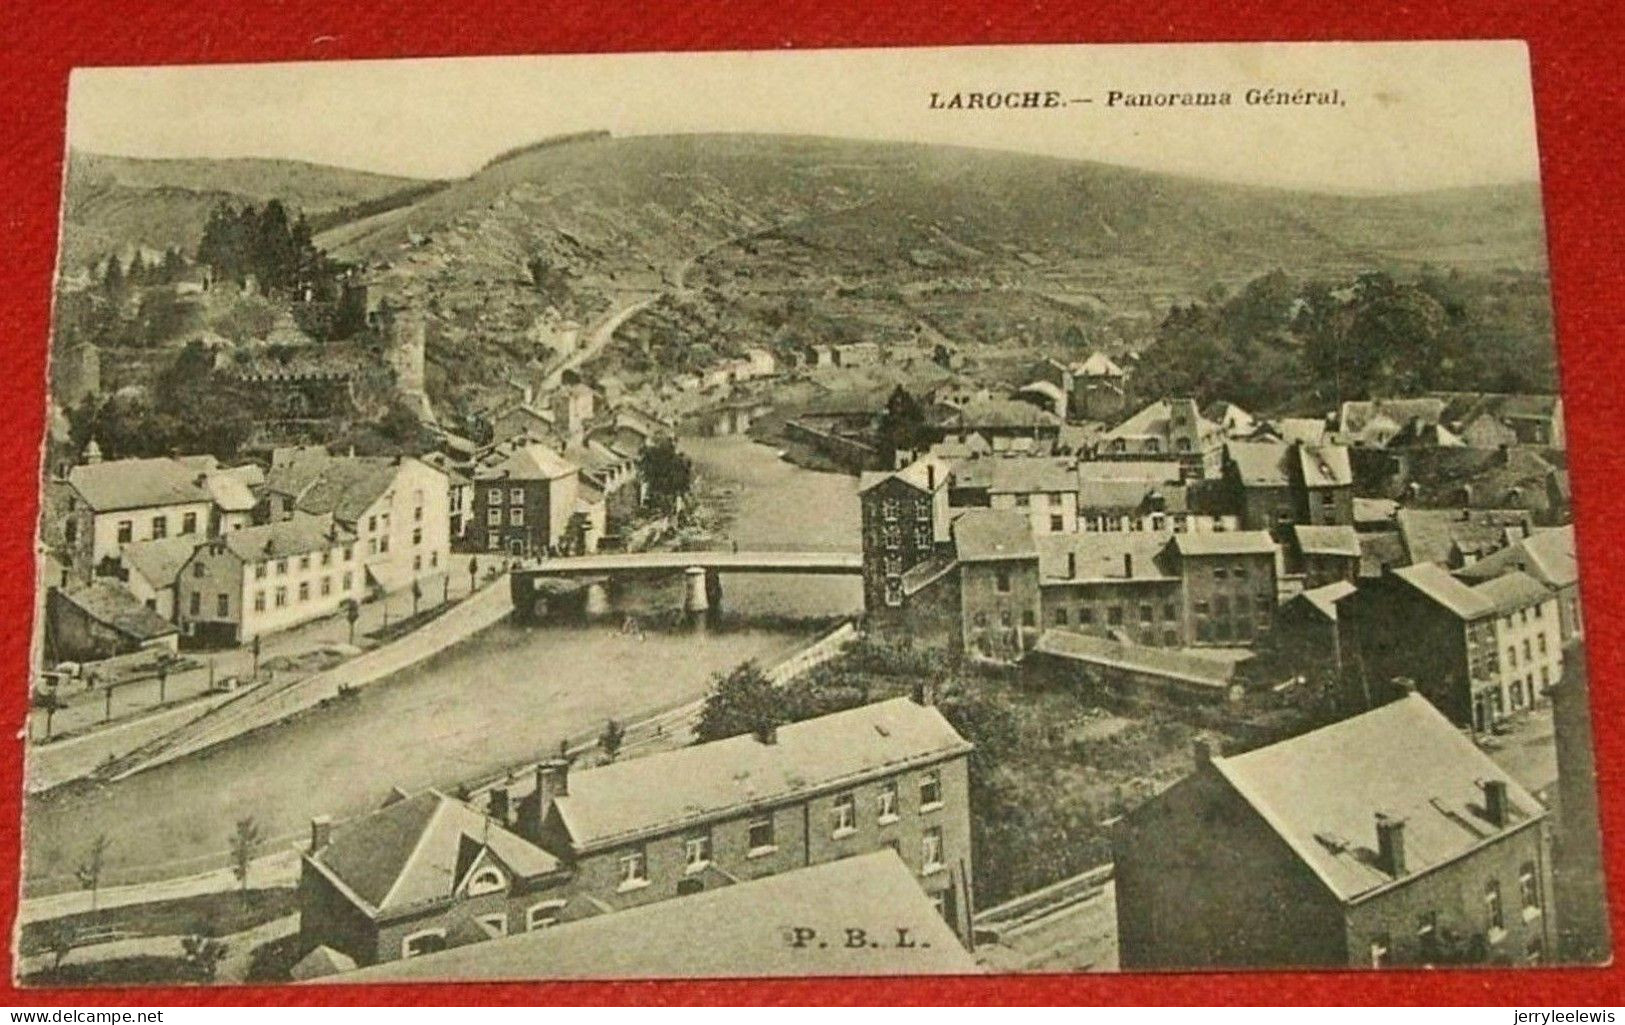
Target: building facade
{"points": [[259, 580]]}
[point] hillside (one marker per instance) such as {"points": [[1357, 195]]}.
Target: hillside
{"points": [[760, 217], [112, 203]]}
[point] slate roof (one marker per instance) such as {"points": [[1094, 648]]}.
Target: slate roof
{"points": [[1511, 591], [1017, 474], [296, 536], [1260, 463], [1432, 580], [1463, 407], [1355, 417], [1333, 540], [1430, 535], [529, 461], [348, 486], [114, 607], [1318, 792], [140, 483], [1114, 470], [160, 561], [1298, 428], [1101, 556], [1156, 421], [1547, 555], [1375, 510], [1379, 551], [991, 535], [230, 490], [1225, 542], [742, 927], [1324, 599], [658, 793], [1098, 365], [1128, 496], [922, 575], [416, 850], [1185, 666]]}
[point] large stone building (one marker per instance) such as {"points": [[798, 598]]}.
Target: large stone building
{"points": [[905, 523], [107, 505], [1384, 839], [1168, 428], [1277, 484], [526, 497], [259, 580]]}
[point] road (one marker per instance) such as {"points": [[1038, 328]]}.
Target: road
{"points": [[1080, 937], [599, 336]]}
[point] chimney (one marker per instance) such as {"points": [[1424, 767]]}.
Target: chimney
{"points": [[1391, 844], [552, 781], [1201, 752], [497, 807], [767, 732], [1072, 565], [321, 831], [925, 693], [1495, 801], [1128, 565], [930, 476]]}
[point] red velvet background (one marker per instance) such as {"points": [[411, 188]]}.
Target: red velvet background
{"points": [[1576, 52]]}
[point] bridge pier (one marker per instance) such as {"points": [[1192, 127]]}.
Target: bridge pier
{"points": [[696, 591], [595, 602], [713, 592]]}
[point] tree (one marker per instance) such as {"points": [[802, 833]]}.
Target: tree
{"points": [[244, 842], [89, 871], [203, 954], [611, 739], [667, 473], [742, 701], [417, 594], [47, 700], [352, 612], [60, 937], [113, 278], [902, 426], [473, 571]]}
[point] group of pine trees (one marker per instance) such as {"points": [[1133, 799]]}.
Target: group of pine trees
{"points": [[117, 276], [266, 244]]}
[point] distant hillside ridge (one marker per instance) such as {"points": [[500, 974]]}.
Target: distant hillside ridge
{"points": [[550, 141]]}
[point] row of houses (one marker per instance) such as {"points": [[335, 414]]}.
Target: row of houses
{"points": [[428, 872]]}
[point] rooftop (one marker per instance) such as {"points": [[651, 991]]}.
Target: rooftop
{"points": [[1324, 599], [990, 535], [159, 561], [1318, 793], [1512, 591], [1434, 582], [1185, 666], [419, 850], [1105, 555], [1017, 474], [1128, 470], [1435, 535], [529, 461], [1547, 555], [1225, 542], [282, 538], [1333, 540], [623, 800], [113, 606], [928, 473], [141, 483], [743, 927]]}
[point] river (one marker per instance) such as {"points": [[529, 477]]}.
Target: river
{"points": [[504, 696]]}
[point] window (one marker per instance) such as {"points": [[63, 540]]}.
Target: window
{"points": [[1148, 614], [304, 562], [198, 569], [417, 534], [222, 605], [259, 601], [1542, 644], [327, 557], [1492, 906], [1059, 617], [304, 590], [496, 925], [349, 552], [1002, 581], [886, 806], [372, 523], [1239, 571], [516, 496], [348, 578], [417, 514], [697, 850], [493, 517], [516, 516], [931, 850], [494, 496], [543, 915], [1529, 889], [844, 815], [1004, 618], [979, 619], [282, 567], [383, 543], [1029, 617], [1021, 501], [160, 527], [327, 586], [1086, 616], [930, 789], [426, 942], [281, 597], [1057, 523], [1201, 608], [259, 571], [1114, 615], [126, 531], [1379, 951], [189, 523], [761, 834], [1528, 652], [196, 603], [1220, 573], [634, 869], [1170, 612]]}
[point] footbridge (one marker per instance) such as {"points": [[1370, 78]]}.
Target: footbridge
{"points": [[590, 575]]}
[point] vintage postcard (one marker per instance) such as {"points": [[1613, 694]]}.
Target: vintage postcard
{"points": [[850, 512]]}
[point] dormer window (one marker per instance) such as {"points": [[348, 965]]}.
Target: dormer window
{"points": [[486, 880]]}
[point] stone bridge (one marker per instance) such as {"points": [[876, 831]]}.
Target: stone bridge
{"points": [[702, 570]]}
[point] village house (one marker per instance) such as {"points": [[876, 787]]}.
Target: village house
{"points": [[397, 507], [1276, 484], [1316, 555], [1122, 673], [1230, 585], [999, 599], [905, 521], [1043, 487], [422, 874], [744, 934], [106, 505], [1296, 855], [891, 774], [459, 493], [1148, 506], [1168, 427], [1119, 584], [1493, 419], [1373, 423], [1478, 652], [1089, 389], [149, 570], [259, 580], [1549, 556], [525, 499], [1456, 538], [1306, 638], [98, 620]]}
